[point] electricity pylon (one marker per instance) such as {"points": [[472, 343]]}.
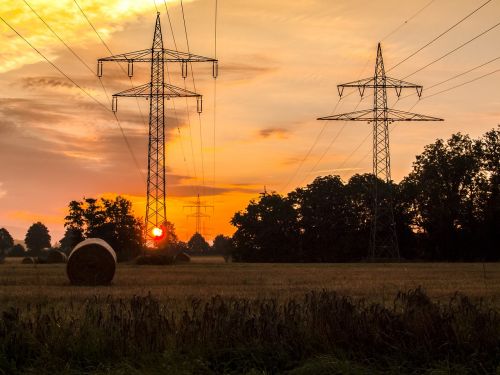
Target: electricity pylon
{"points": [[383, 239], [156, 91], [198, 214]]}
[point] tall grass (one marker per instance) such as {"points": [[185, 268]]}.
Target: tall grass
{"points": [[235, 335]]}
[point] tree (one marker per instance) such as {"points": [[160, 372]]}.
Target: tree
{"points": [[6, 241], [110, 220], [445, 190], [223, 245], [267, 231], [170, 237], [198, 245], [322, 210], [72, 237], [18, 251], [490, 153], [37, 238]]}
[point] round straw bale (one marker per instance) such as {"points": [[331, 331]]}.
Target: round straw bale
{"points": [[182, 257], [28, 260], [92, 262], [56, 256]]}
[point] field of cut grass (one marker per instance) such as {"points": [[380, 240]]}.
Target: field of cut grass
{"points": [[210, 317], [206, 277]]}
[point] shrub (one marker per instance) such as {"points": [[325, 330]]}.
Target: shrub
{"points": [[154, 259]]}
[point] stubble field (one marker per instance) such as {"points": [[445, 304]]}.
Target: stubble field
{"points": [[210, 317], [206, 277]]}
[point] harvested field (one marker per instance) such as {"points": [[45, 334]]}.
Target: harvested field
{"points": [[202, 278], [209, 317]]}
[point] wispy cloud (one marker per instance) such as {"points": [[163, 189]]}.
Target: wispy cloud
{"points": [[274, 132], [337, 170], [3, 192]]}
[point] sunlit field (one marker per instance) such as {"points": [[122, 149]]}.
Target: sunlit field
{"points": [[208, 276]]}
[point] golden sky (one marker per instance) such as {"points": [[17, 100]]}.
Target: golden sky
{"points": [[280, 62]]}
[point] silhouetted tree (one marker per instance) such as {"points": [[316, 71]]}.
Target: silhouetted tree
{"points": [[267, 231], [223, 245], [170, 244], [198, 245], [322, 209], [111, 220], [17, 250], [37, 238], [447, 208], [490, 224], [447, 188], [6, 241], [72, 236]]}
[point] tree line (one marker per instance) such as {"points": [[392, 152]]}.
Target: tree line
{"points": [[446, 209]]}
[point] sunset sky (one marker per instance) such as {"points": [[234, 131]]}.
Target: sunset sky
{"points": [[280, 62]]}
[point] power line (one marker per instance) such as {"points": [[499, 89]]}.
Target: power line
{"points": [[447, 54], [194, 88], [60, 39], [440, 35], [457, 76], [215, 101], [188, 173], [334, 139], [461, 84], [185, 87], [306, 155], [109, 50], [54, 65], [127, 143], [454, 50], [79, 87], [93, 28], [396, 29], [408, 20]]}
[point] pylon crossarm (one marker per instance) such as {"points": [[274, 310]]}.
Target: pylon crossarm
{"points": [[387, 82], [169, 91], [364, 115], [172, 56], [396, 115], [198, 215], [145, 55], [390, 115]]}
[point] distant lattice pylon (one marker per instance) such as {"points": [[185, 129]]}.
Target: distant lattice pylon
{"points": [[198, 215]]}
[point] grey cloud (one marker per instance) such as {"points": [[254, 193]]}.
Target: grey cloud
{"points": [[32, 82], [278, 132]]}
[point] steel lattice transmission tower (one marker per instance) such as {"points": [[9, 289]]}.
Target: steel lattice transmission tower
{"points": [[198, 214], [383, 239], [156, 91]]}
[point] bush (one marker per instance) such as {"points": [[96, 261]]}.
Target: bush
{"points": [[154, 260], [17, 251]]}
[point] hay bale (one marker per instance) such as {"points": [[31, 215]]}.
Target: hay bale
{"points": [[182, 258], [92, 262], [56, 256], [28, 260]]}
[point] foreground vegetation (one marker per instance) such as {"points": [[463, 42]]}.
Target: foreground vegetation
{"points": [[238, 335], [214, 318]]}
